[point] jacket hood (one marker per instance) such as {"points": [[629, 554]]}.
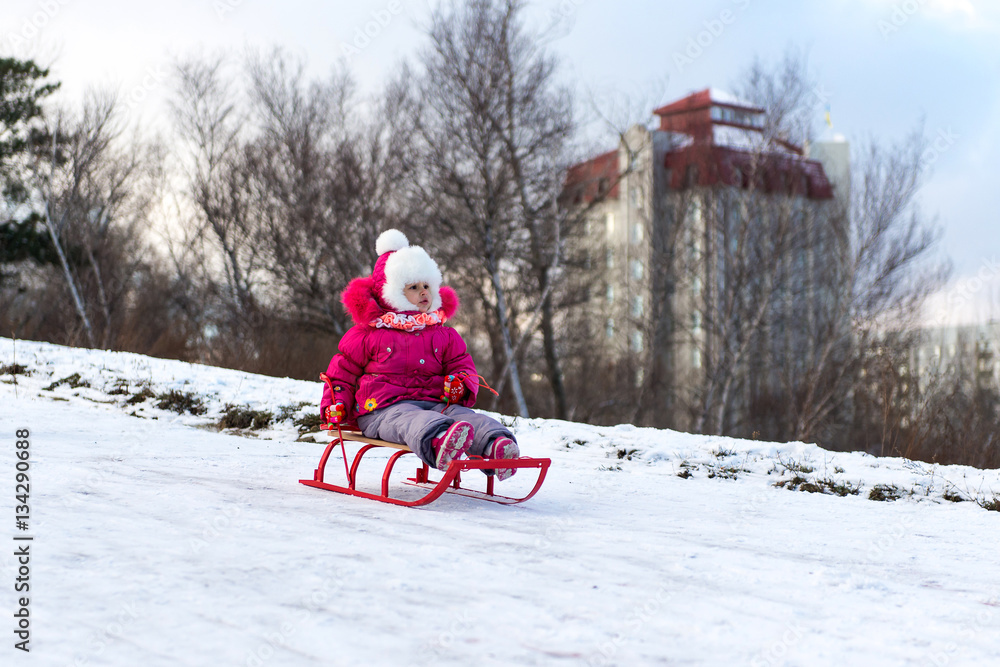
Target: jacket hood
{"points": [[359, 299]]}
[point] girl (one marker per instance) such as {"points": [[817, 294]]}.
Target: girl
{"points": [[403, 375]]}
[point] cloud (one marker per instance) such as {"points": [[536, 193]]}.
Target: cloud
{"points": [[976, 15], [966, 7], [953, 6]]}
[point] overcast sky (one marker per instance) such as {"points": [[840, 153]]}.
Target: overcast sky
{"points": [[885, 66]]}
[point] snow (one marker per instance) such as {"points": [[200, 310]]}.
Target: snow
{"points": [[724, 97], [739, 138], [160, 540]]}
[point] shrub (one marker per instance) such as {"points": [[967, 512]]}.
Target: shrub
{"points": [[725, 472], [792, 465], [826, 485], [142, 395], [181, 402], [74, 381], [120, 388], [885, 492], [799, 483], [242, 417], [288, 412], [991, 505], [308, 423]]}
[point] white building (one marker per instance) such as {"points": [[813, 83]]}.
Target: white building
{"points": [[675, 210]]}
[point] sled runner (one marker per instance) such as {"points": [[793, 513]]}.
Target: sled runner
{"points": [[450, 482]]}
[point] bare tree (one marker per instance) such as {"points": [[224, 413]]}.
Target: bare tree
{"points": [[287, 189], [494, 129], [887, 270], [868, 257], [95, 189], [218, 177], [328, 182]]}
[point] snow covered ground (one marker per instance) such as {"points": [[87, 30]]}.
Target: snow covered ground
{"points": [[159, 540]]}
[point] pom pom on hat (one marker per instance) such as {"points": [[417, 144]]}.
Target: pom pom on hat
{"points": [[389, 241]]}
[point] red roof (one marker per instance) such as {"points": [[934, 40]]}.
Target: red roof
{"points": [[705, 161], [701, 100], [771, 172], [584, 181]]}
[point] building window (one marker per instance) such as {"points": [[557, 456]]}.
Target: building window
{"points": [[637, 308], [609, 258], [696, 358], [696, 321], [637, 269], [694, 212], [610, 293], [637, 341], [637, 232], [609, 328], [736, 116]]}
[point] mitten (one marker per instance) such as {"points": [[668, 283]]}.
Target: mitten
{"points": [[454, 388], [335, 413]]}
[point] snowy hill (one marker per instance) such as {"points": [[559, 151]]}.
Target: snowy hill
{"points": [[161, 539]]}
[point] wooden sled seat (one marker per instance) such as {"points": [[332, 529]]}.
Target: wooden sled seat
{"points": [[357, 436]]}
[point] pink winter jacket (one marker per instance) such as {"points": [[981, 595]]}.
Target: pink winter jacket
{"points": [[376, 367]]}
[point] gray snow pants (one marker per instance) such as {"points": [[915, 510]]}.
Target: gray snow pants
{"points": [[415, 423]]}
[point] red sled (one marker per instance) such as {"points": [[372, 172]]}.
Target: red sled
{"points": [[450, 482]]}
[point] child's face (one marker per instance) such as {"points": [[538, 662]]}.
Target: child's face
{"points": [[419, 294]]}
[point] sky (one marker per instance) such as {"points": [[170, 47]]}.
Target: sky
{"points": [[884, 67]]}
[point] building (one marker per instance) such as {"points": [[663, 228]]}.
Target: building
{"points": [[712, 238], [941, 350]]}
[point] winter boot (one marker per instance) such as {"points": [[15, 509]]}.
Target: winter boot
{"points": [[503, 448], [451, 443]]}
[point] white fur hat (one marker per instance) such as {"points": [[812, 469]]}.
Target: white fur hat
{"points": [[400, 264]]}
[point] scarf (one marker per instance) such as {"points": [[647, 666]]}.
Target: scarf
{"points": [[406, 322]]}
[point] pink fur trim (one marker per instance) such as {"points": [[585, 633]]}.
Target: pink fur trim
{"points": [[359, 301], [449, 301]]}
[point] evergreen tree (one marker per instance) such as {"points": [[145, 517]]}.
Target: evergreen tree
{"points": [[23, 88]]}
